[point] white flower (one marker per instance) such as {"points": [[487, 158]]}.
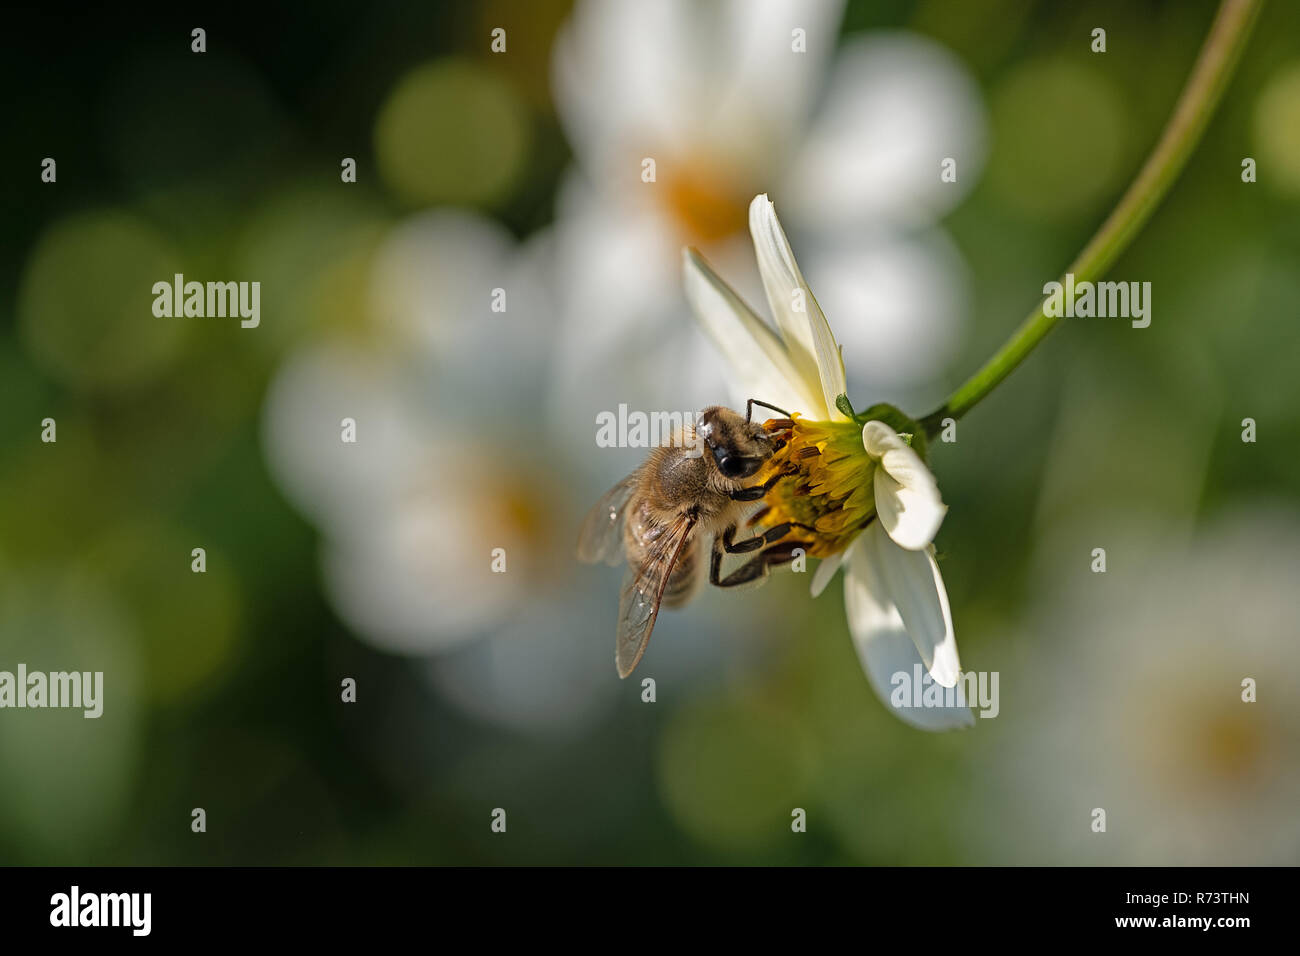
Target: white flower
{"points": [[447, 466], [850, 476], [1164, 692]]}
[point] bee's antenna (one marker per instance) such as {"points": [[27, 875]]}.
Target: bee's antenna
{"points": [[749, 408]]}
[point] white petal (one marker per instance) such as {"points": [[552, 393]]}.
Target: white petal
{"points": [[907, 497], [885, 649], [896, 105], [807, 333], [910, 581], [825, 572], [763, 92], [426, 280], [781, 285], [759, 358], [616, 92], [312, 392]]}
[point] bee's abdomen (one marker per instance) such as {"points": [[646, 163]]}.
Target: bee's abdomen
{"points": [[685, 576]]}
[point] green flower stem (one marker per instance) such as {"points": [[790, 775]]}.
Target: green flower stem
{"points": [[1204, 87]]}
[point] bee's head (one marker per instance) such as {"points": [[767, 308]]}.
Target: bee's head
{"points": [[738, 447]]}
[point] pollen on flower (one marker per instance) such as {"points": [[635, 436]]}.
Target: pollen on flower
{"points": [[826, 483]]}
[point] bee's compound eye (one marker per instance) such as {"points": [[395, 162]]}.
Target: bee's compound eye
{"points": [[735, 466]]}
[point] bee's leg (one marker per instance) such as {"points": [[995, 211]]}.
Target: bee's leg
{"points": [[772, 534], [754, 569], [757, 491], [729, 544], [751, 570], [779, 531], [749, 408]]}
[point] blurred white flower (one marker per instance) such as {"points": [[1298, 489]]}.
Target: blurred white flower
{"points": [[718, 97], [1129, 698], [449, 463]]}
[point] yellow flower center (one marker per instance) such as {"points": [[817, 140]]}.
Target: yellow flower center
{"points": [[705, 197], [827, 484]]}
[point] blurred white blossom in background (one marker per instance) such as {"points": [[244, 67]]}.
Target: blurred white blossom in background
{"points": [[449, 463], [1128, 698], [848, 143]]}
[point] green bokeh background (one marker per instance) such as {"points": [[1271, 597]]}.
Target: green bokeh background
{"points": [[225, 686]]}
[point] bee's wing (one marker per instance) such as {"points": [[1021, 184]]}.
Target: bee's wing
{"points": [[601, 537], [643, 588]]}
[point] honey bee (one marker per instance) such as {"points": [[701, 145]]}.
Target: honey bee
{"points": [[657, 518]]}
